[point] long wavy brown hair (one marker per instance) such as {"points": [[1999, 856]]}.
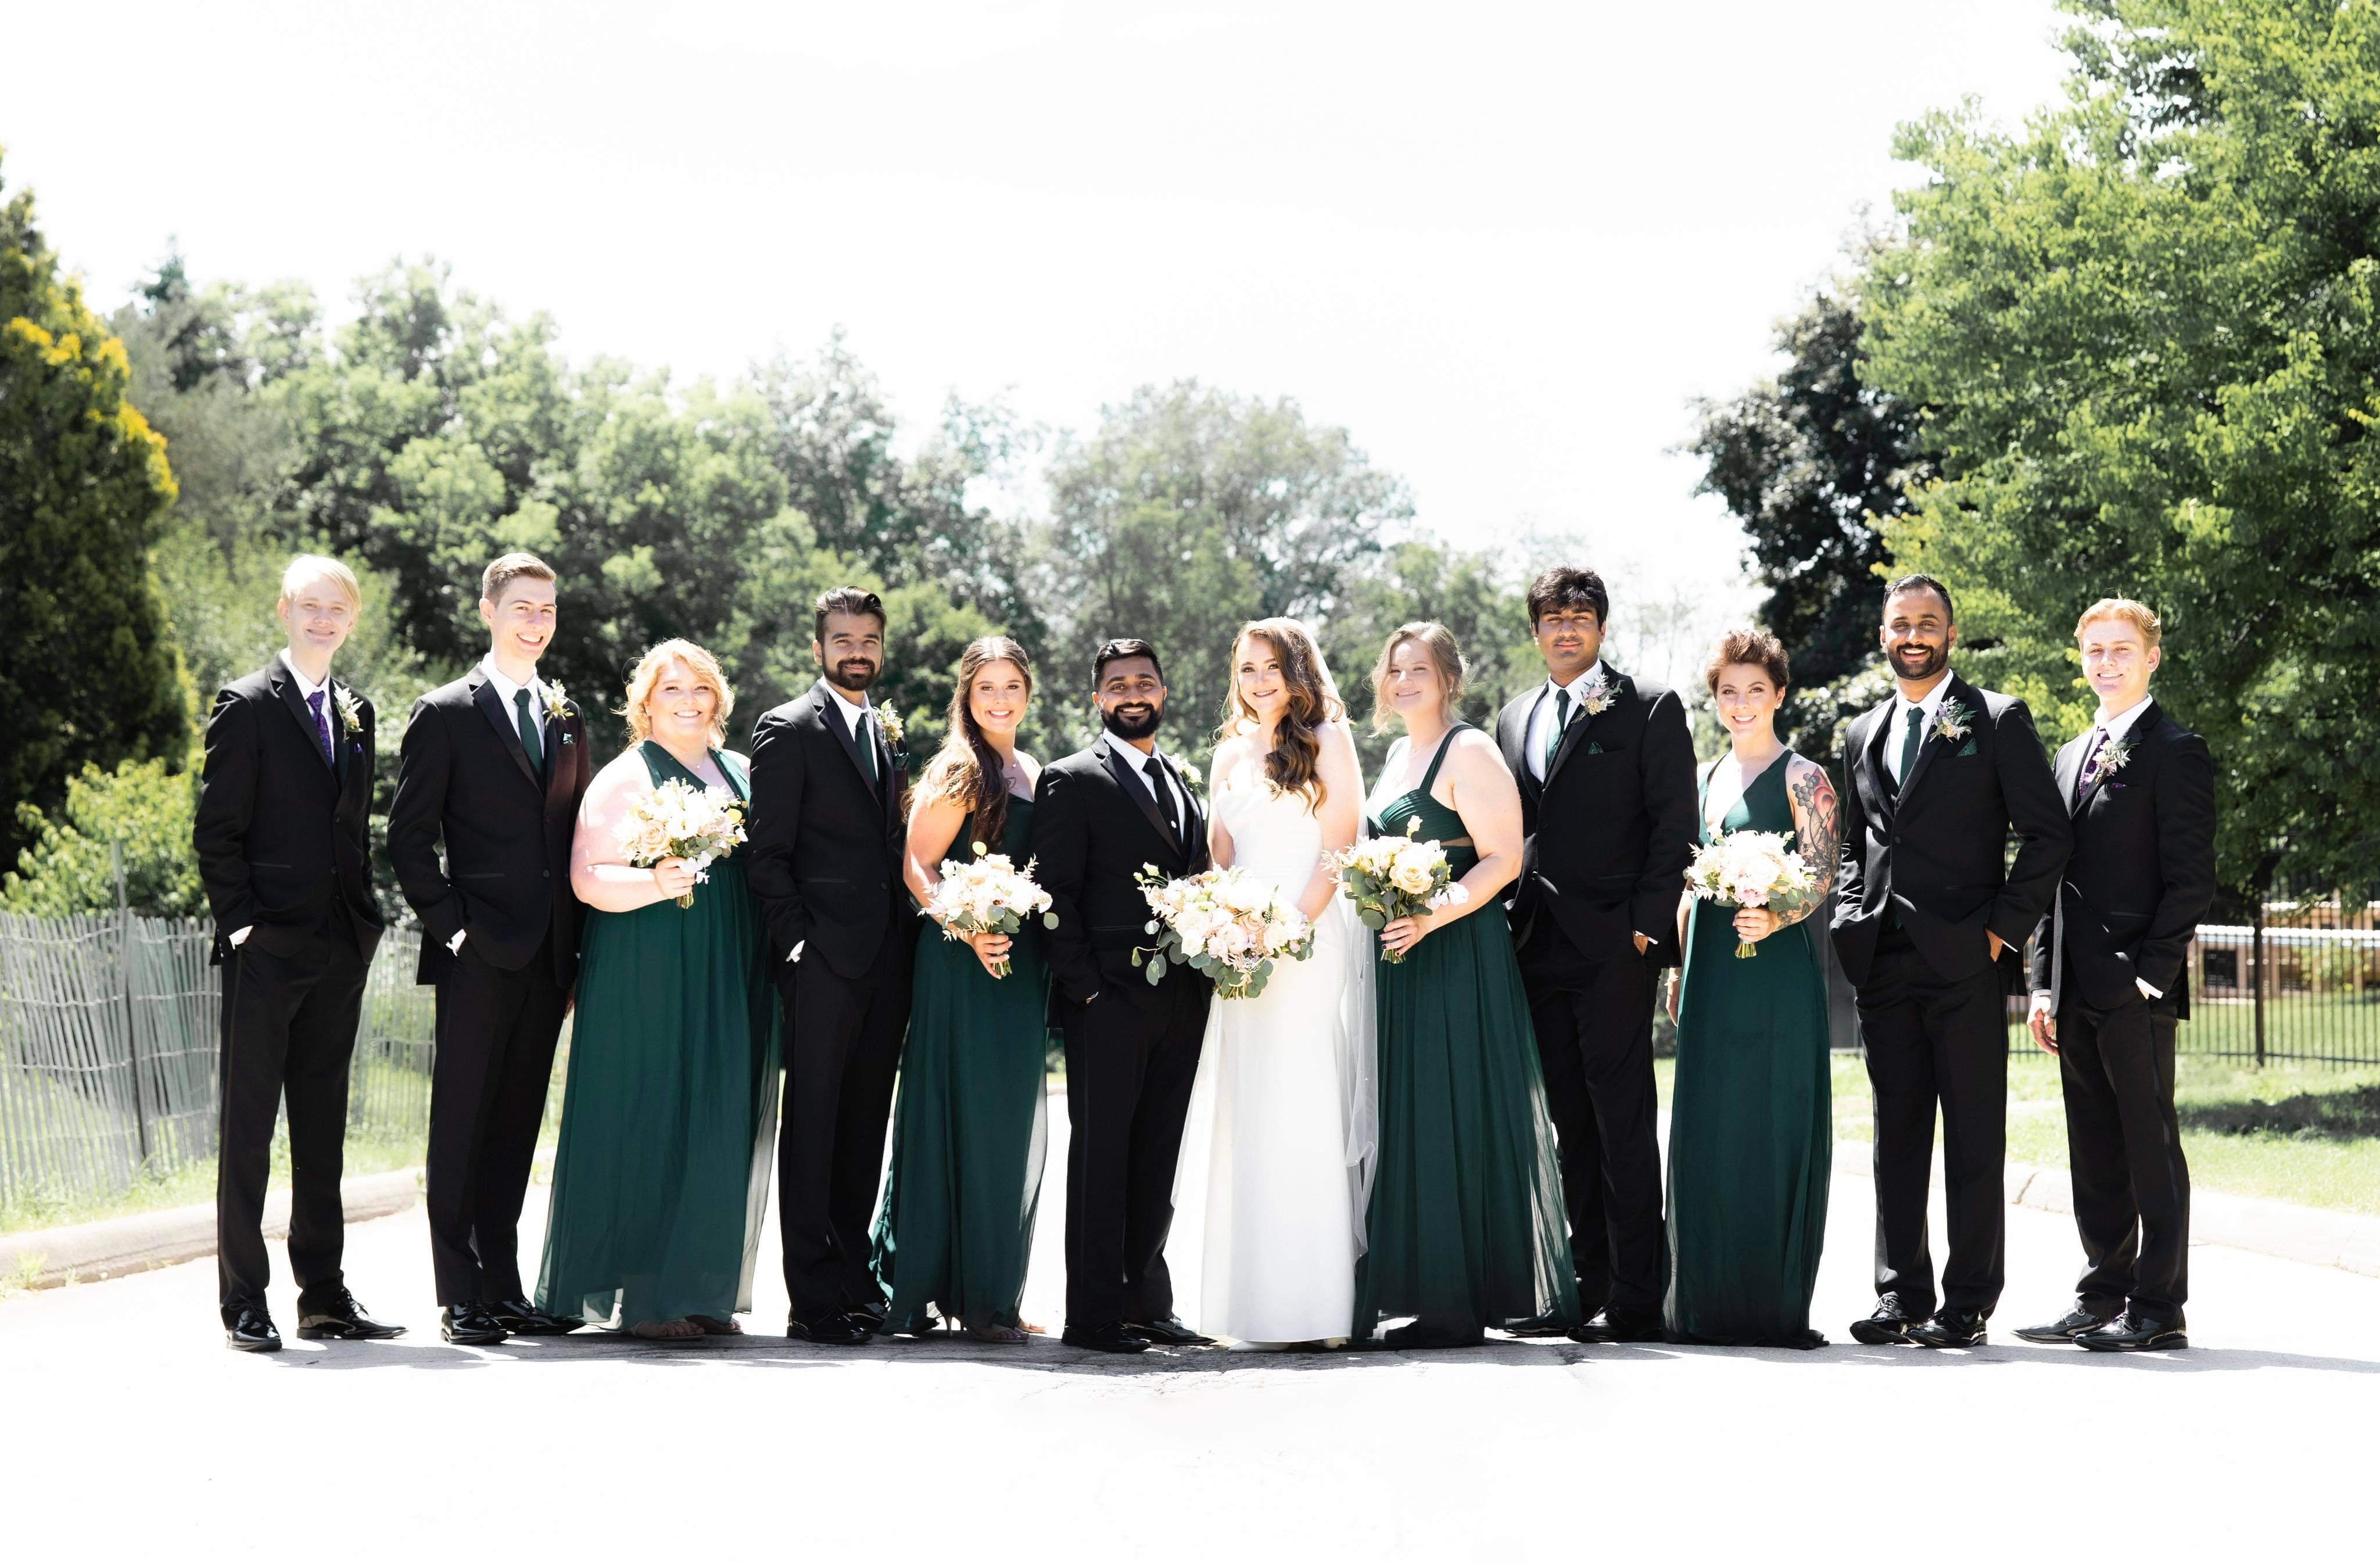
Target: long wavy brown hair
{"points": [[966, 768], [1293, 764]]}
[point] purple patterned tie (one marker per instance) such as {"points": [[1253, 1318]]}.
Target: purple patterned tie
{"points": [[322, 728], [2083, 778]]}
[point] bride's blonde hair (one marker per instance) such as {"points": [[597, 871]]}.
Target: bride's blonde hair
{"points": [[1293, 765]]}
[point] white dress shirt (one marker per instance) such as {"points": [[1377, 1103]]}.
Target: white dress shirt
{"points": [[1899, 732], [2115, 726], [1541, 720], [506, 688], [1156, 776]]}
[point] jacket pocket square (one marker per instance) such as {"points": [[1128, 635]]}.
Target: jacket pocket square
{"points": [[1593, 747], [1970, 749]]}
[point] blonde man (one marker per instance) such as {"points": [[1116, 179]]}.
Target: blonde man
{"points": [[493, 768], [282, 843], [2110, 986]]}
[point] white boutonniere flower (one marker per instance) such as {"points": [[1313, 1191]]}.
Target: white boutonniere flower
{"points": [[349, 712], [558, 701], [888, 718], [1191, 779], [2112, 755], [1950, 723], [1596, 696]]}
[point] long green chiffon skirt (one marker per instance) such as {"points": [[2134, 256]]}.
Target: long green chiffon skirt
{"points": [[660, 1178], [1466, 1221]]}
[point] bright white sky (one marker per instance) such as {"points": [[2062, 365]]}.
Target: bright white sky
{"points": [[1502, 244]]}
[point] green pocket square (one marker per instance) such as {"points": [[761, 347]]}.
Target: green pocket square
{"points": [[1593, 747], [1970, 749]]}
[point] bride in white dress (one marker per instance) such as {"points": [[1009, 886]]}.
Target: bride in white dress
{"points": [[1277, 1154]]}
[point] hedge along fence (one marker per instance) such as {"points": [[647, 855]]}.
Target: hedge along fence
{"points": [[110, 1051]]}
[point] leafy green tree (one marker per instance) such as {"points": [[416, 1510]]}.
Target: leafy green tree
{"points": [[88, 671], [1807, 461], [1473, 594], [69, 863], [2145, 333], [1189, 511]]}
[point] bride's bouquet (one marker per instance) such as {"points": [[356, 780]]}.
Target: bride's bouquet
{"points": [[1749, 868], [1228, 925], [1393, 877], [989, 895], [679, 819]]}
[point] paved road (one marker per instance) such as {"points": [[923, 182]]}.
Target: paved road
{"points": [[124, 1425]]}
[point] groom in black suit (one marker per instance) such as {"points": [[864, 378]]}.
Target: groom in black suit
{"points": [[2110, 985], [1930, 923], [1606, 769], [825, 861], [283, 817], [493, 765], [1132, 1047]]}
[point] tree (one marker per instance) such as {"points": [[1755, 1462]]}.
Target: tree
{"points": [[1187, 514], [89, 673], [1809, 461], [144, 806], [1474, 595], [2145, 333]]}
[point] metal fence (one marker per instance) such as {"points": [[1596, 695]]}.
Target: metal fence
{"points": [[109, 1052]]}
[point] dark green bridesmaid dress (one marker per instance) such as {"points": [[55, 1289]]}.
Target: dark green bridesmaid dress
{"points": [[955, 1228], [1466, 1227], [660, 1178], [1751, 1121]]}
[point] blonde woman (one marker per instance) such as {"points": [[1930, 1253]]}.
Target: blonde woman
{"points": [[662, 1173]]}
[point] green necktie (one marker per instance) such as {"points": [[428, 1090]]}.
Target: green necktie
{"points": [[531, 740], [1561, 720], [1909, 745], [866, 737]]}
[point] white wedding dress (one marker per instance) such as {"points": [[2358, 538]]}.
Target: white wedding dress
{"points": [[1277, 1154]]}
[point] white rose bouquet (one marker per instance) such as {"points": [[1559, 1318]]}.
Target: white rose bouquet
{"points": [[1223, 923], [1393, 877], [989, 895], [1749, 868], [678, 820]]}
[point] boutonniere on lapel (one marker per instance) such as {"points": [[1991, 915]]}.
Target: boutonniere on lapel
{"points": [[350, 712], [1192, 782], [1950, 724], [558, 707], [896, 737], [1595, 696], [2111, 757]]}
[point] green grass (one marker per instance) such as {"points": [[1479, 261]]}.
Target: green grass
{"points": [[195, 1184], [2294, 1132]]}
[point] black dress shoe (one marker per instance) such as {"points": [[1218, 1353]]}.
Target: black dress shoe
{"points": [[2136, 1331], [1889, 1325], [1430, 1335], [249, 1328], [834, 1329], [519, 1317], [1619, 1325], [342, 1319], [1544, 1326], [1168, 1332], [470, 1324], [872, 1318], [2081, 1319], [1951, 1326], [1118, 1339]]}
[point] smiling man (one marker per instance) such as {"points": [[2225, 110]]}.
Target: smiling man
{"points": [[493, 765]]}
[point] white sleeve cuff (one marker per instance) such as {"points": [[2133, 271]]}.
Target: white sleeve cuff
{"points": [[239, 936], [2146, 991], [454, 945], [2041, 996], [796, 953]]}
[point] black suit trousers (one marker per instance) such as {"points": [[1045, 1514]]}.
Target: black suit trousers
{"points": [[1931, 1041], [843, 1052], [1129, 1069], [496, 1035], [2123, 1145], [288, 1027], [1594, 1021]]}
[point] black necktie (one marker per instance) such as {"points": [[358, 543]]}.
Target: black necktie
{"points": [[1155, 771], [532, 741], [1909, 745], [864, 734]]}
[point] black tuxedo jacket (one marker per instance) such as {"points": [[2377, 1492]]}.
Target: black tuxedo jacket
{"points": [[2142, 873], [825, 846], [281, 834], [1096, 826], [462, 776], [1608, 832], [1937, 851]]}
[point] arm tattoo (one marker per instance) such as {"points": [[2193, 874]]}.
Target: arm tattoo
{"points": [[1818, 833]]}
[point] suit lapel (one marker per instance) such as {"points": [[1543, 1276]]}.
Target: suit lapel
{"points": [[2144, 723], [1934, 741], [1617, 687], [1870, 749], [1194, 819], [285, 689], [2070, 768], [492, 706], [1513, 739], [1127, 777], [561, 754], [832, 712]]}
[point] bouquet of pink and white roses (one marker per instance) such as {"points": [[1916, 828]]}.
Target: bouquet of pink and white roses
{"points": [[1223, 923], [989, 895], [1749, 868], [678, 820], [1393, 877]]}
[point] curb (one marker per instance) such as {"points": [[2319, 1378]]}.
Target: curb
{"points": [[99, 1250], [2339, 1239]]}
